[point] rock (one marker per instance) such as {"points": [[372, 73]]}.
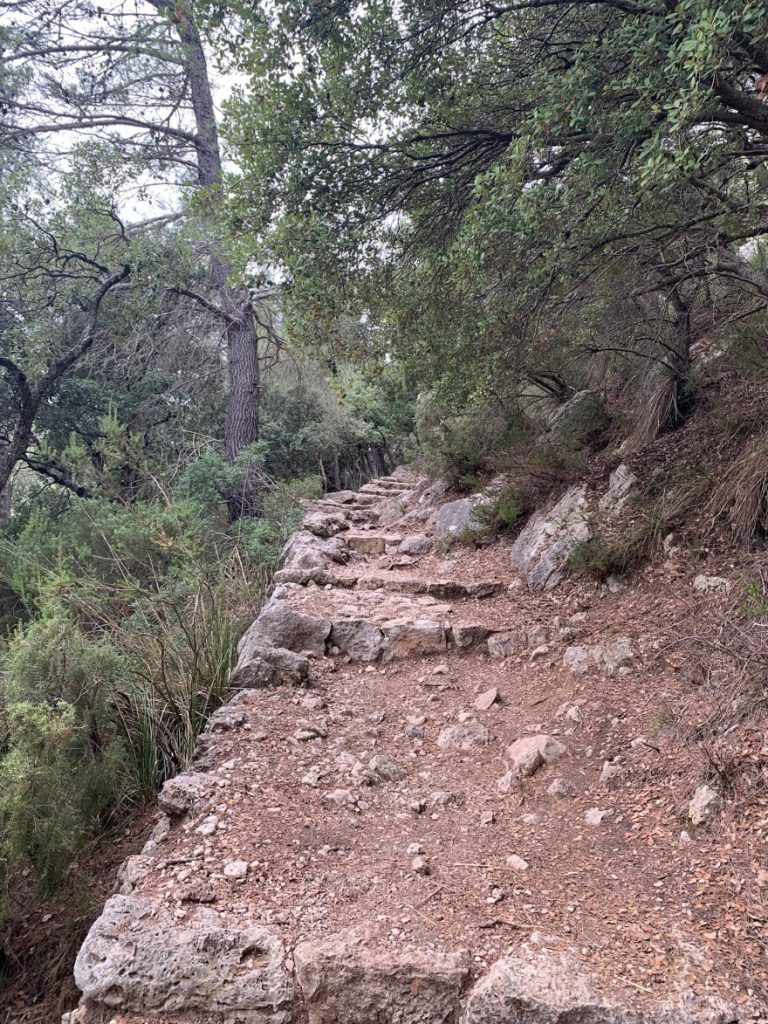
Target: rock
{"points": [[516, 863], [610, 771], [621, 487], [225, 719], [559, 788], [542, 986], [442, 798], [235, 869], [420, 865], [325, 524], [487, 818], [570, 711], [579, 419], [503, 645], [181, 793], [469, 635], [304, 550], [545, 988], [711, 584], [540, 652], [133, 871], [358, 638], [704, 805], [414, 848], [385, 768], [536, 636], [403, 638], [487, 699], [608, 657], [463, 736], [342, 798], [261, 664], [279, 625], [542, 549], [594, 816], [418, 544], [314, 776], [345, 978], [531, 753], [455, 518], [138, 958]]}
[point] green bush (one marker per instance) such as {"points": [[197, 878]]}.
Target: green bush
{"points": [[65, 767]]}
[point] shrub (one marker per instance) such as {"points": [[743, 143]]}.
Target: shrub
{"points": [[65, 767]]}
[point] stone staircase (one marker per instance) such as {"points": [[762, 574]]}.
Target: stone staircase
{"points": [[343, 849]]}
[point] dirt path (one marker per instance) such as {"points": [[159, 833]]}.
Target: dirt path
{"points": [[384, 797]]}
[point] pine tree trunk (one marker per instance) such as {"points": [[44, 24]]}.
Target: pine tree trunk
{"points": [[241, 427]]}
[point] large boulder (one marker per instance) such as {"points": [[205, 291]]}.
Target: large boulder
{"points": [[579, 419], [454, 518], [622, 485], [546, 543], [325, 524], [181, 793], [345, 981], [358, 638], [304, 550], [549, 987], [261, 664], [138, 958], [279, 625]]}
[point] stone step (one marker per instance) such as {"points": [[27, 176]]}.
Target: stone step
{"points": [[370, 543], [383, 492], [366, 625], [387, 482], [445, 590]]}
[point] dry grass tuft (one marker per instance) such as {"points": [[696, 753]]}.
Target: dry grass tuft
{"points": [[742, 495]]}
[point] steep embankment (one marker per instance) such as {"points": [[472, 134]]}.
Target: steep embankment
{"points": [[472, 813]]}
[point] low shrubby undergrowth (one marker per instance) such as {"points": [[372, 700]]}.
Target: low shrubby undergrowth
{"points": [[123, 622]]}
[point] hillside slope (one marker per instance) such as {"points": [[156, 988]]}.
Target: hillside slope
{"points": [[464, 796]]}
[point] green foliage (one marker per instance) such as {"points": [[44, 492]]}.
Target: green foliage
{"points": [[753, 603], [460, 448], [65, 768]]}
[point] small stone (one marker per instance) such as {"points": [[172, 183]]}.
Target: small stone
{"points": [[530, 819], [497, 895], [704, 805], [516, 863], [417, 806], [414, 848], [487, 818], [420, 865], [314, 776], [440, 670], [442, 798], [610, 771], [560, 788], [537, 636], [533, 752], [711, 584], [341, 797], [594, 816], [385, 768], [541, 652], [464, 736], [236, 869], [312, 702], [487, 699]]}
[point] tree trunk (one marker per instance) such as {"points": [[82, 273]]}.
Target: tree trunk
{"points": [[6, 494], [241, 426], [336, 472], [242, 422]]}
